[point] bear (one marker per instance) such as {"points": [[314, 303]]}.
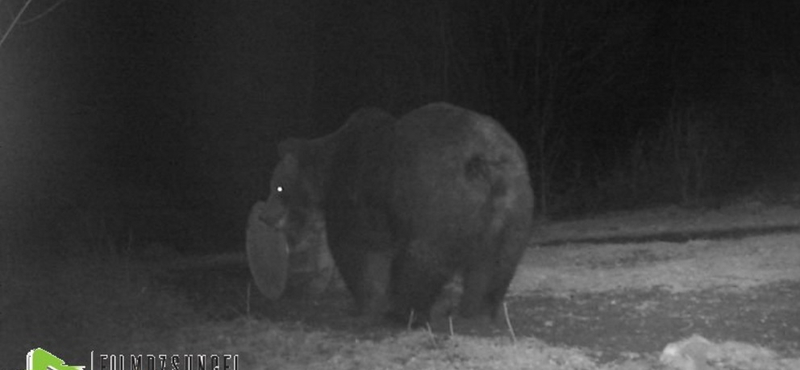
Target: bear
{"points": [[286, 246], [411, 202]]}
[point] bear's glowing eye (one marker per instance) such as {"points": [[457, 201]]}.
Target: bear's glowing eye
{"points": [[279, 189]]}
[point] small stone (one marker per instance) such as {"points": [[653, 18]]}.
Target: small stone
{"points": [[688, 354]]}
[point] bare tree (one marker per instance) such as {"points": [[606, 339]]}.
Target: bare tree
{"points": [[689, 141], [554, 54]]}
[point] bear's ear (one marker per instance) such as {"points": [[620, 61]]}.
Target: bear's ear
{"points": [[290, 146]]}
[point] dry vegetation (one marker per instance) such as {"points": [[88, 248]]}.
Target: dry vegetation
{"points": [[74, 304]]}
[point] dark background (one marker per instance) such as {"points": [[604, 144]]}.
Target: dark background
{"points": [[133, 122]]}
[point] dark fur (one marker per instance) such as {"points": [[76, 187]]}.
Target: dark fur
{"points": [[410, 202]]}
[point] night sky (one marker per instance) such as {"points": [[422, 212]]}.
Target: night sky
{"points": [[131, 108]]}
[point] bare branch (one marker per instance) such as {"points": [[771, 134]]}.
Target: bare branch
{"points": [[14, 22], [50, 9]]}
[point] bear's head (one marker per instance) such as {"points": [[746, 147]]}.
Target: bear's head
{"points": [[296, 190], [286, 242]]}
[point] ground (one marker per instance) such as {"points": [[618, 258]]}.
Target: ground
{"points": [[608, 291]]}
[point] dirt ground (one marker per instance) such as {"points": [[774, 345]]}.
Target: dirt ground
{"points": [[616, 300], [605, 292], [612, 325]]}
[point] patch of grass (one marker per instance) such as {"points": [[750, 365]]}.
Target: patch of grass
{"points": [[103, 300], [265, 345]]}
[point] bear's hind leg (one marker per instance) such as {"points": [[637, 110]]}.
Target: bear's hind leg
{"points": [[374, 285], [415, 287], [475, 298], [498, 287]]}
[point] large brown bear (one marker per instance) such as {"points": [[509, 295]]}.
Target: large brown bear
{"points": [[409, 203]]}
